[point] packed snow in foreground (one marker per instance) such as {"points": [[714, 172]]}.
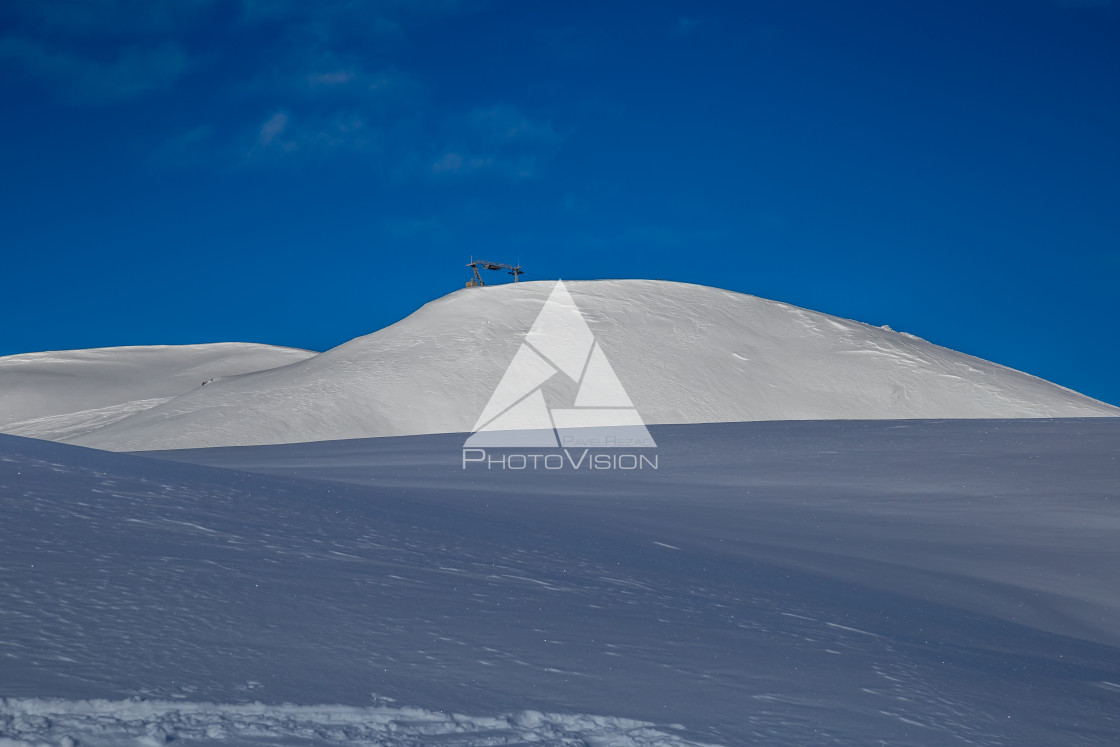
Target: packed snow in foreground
{"points": [[107, 723], [778, 583]]}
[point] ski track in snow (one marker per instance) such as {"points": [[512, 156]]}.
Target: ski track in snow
{"points": [[73, 424], [65, 394]]}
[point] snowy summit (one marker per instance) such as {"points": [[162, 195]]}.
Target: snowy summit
{"points": [[685, 354]]}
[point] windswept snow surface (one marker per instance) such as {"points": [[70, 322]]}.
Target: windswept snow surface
{"points": [[774, 583], [111, 723], [62, 394], [684, 353]]}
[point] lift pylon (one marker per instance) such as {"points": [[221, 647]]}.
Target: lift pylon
{"points": [[477, 264]]}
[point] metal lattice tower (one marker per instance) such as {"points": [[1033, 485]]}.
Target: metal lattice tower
{"points": [[477, 264]]}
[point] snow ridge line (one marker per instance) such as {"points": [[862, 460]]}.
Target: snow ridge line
{"points": [[38, 722]]}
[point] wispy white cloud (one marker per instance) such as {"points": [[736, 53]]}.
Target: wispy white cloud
{"points": [[323, 75], [329, 106], [129, 72], [455, 163], [500, 140], [371, 19], [579, 45], [73, 19], [332, 79], [448, 163], [315, 80], [272, 129], [94, 51], [390, 122], [283, 134], [430, 230], [686, 26], [650, 236], [99, 51], [185, 148], [503, 124]]}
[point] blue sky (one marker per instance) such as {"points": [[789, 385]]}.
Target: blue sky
{"points": [[302, 173]]}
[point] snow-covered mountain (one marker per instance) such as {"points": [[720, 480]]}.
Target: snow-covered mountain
{"points": [[61, 394], [685, 354]]}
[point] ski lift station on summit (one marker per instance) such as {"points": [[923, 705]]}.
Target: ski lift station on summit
{"points": [[478, 264]]}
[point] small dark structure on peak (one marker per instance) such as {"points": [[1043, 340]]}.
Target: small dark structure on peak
{"points": [[477, 264]]}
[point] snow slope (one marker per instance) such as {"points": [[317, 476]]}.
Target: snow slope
{"points": [[685, 354], [852, 583], [61, 394]]}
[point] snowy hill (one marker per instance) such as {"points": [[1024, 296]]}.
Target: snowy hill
{"points": [[61, 394], [685, 354]]}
